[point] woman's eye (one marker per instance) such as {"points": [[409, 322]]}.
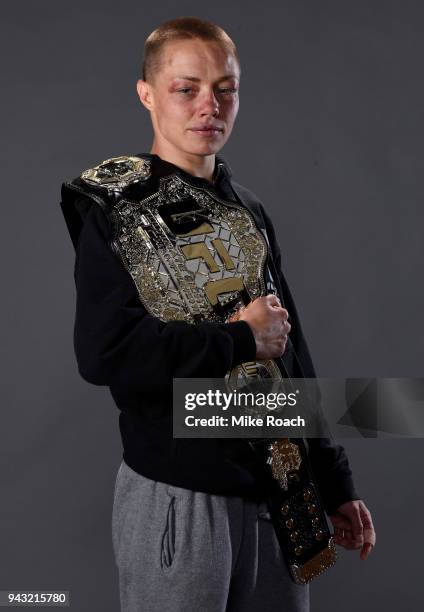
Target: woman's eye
{"points": [[224, 90]]}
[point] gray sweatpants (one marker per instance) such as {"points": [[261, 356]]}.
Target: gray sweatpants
{"points": [[179, 550]]}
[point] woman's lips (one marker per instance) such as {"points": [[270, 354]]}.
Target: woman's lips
{"points": [[207, 131]]}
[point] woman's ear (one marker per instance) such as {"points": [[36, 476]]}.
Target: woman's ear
{"points": [[145, 94]]}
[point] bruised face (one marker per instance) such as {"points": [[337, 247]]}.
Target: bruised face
{"points": [[194, 97]]}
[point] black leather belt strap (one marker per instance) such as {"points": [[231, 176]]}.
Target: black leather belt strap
{"points": [[295, 504]]}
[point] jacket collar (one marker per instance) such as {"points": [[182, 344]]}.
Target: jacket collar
{"points": [[221, 175]]}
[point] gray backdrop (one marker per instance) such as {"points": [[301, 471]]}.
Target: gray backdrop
{"points": [[329, 135]]}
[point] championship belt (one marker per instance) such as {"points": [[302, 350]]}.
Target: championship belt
{"points": [[195, 257], [297, 512]]}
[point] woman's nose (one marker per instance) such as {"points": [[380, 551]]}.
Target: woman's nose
{"points": [[210, 104]]}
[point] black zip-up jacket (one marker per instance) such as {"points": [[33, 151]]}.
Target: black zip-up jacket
{"points": [[119, 344]]}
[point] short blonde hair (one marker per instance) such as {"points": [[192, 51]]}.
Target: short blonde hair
{"points": [[182, 28]]}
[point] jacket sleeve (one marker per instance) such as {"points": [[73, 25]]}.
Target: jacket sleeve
{"points": [[117, 342], [328, 459]]}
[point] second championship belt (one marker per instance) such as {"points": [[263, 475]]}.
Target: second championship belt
{"points": [[195, 257]]}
